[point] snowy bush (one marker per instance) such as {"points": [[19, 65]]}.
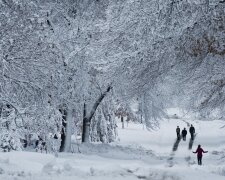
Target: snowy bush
{"points": [[9, 142]]}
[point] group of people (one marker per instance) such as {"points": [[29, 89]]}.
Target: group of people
{"points": [[184, 133]]}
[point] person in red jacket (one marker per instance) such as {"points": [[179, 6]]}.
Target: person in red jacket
{"points": [[199, 152]]}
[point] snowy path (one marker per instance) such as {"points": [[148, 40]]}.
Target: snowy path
{"points": [[138, 154]]}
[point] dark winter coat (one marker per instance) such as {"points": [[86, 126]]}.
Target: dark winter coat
{"points": [[199, 152], [192, 130], [184, 132], [178, 130]]}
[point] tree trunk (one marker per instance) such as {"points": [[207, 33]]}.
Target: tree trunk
{"points": [[68, 129], [122, 120], [86, 132], [86, 127], [63, 134], [87, 118]]}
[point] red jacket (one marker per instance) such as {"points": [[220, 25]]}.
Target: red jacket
{"points": [[199, 152]]}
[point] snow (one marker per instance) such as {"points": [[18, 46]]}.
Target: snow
{"points": [[137, 154]]}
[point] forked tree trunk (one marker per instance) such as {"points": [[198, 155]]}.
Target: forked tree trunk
{"points": [[87, 118]]}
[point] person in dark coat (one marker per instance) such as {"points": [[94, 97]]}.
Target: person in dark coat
{"points": [[178, 132], [192, 131], [199, 152], [184, 133]]}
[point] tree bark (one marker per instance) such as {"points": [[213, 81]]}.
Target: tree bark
{"points": [[86, 126], [63, 134], [86, 129], [122, 120], [68, 129]]}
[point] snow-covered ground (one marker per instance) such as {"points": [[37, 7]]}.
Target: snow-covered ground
{"points": [[138, 154]]}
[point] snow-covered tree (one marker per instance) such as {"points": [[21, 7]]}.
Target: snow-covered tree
{"points": [[61, 60]]}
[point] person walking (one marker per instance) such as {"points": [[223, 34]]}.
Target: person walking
{"points": [[199, 152], [192, 131], [178, 132], [184, 133]]}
